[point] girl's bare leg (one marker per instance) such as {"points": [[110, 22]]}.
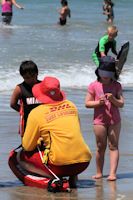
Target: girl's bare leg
{"points": [[113, 136], [101, 142]]}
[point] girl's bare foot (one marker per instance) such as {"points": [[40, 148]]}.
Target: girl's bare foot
{"points": [[97, 176], [111, 178]]}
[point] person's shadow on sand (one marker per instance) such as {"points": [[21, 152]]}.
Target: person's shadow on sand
{"points": [[10, 184], [125, 175], [83, 183]]}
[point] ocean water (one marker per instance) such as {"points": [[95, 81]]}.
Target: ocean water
{"points": [[66, 51]]}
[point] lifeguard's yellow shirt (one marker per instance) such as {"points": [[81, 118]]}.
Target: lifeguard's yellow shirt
{"points": [[58, 125]]}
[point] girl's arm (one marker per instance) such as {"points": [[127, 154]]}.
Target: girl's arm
{"points": [[17, 5], [91, 103], [118, 102]]}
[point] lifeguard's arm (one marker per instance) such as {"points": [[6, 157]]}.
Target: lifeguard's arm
{"points": [[31, 134], [15, 98], [91, 103], [17, 5]]}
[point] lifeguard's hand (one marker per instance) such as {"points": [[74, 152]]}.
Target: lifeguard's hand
{"points": [[40, 141]]}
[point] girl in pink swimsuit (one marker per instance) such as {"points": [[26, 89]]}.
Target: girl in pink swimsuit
{"points": [[7, 12], [105, 96]]}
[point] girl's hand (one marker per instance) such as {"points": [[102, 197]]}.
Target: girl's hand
{"points": [[109, 96], [102, 101]]}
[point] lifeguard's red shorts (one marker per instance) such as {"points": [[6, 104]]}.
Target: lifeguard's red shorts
{"points": [[65, 170]]}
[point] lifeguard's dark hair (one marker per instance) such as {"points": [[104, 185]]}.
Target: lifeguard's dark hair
{"points": [[29, 67]]}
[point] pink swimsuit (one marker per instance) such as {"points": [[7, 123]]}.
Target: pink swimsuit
{"points": [[7, 7], [107, 114]]}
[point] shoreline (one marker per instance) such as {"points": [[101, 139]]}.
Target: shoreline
{"points": [[84, 88]]}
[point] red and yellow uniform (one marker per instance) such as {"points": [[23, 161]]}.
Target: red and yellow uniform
{"points": [[58, 125]]}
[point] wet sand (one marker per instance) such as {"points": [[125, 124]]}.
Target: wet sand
{"points": [[12, 189]]}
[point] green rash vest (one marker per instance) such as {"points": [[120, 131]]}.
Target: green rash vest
{"points": [[104, 45]]}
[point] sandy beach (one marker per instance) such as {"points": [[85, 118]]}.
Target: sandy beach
{"points": [[12, 189]]}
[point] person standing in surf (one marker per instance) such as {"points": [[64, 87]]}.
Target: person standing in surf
{"points": [[105, 96], [64, 13], [108, 10], [7, 10], [22, 99], [106, 43]]}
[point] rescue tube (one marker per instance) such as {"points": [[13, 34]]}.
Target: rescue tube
{"points": [[34, 180], [23, 175]]}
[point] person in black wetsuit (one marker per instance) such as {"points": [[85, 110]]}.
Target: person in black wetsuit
{"points": [[22, 99]]}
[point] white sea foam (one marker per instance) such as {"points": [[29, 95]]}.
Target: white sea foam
{"points": [[75, 76]]}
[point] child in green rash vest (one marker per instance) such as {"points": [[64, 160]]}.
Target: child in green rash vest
{"points": [[106, 43]]}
